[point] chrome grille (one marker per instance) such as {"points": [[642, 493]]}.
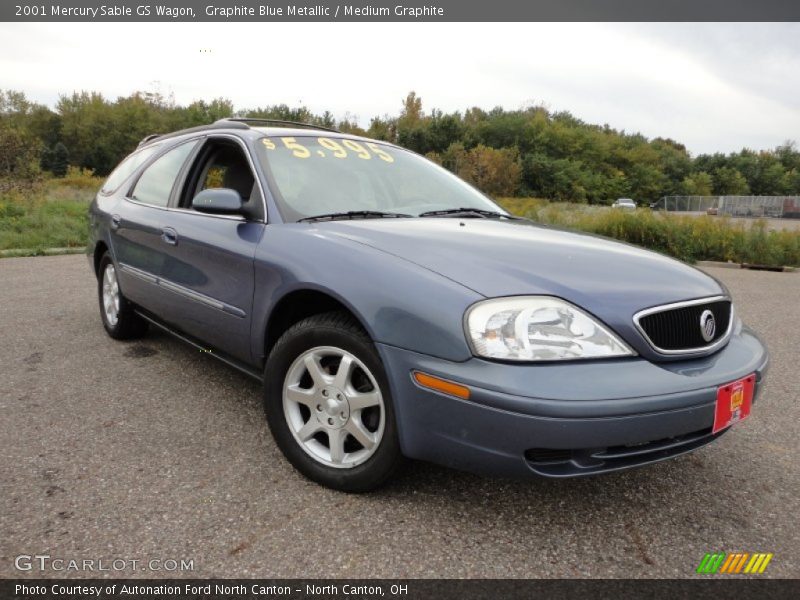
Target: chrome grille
{"points": [[676, 328]]}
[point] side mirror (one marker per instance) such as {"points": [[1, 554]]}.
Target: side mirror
{"points": [[220, 201]]}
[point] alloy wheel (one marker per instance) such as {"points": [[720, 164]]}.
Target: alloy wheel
{"points": [[334, 407], [111, 295]]}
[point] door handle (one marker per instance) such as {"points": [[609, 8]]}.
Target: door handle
{"points": [[170, 236], [115, 221]]}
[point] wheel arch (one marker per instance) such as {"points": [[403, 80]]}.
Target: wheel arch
{"points": [[301, 303], [100, 248]]}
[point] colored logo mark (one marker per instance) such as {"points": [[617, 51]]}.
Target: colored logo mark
{"points": [[734, 563], [737, 397]]}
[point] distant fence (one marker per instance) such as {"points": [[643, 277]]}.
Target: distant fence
{"points": [[735, 206]]}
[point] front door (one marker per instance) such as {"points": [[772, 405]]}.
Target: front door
{"points": [[209, 263]]}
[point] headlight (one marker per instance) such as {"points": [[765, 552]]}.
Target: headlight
{"points": [[533, 328]]}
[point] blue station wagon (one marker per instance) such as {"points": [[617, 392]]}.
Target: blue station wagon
{"points": [[393, 311]]}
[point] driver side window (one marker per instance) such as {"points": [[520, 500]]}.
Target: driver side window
{"points": [[223, 164]]}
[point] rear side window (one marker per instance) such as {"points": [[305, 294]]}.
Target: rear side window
{"points": [[156, 183], [126, 168]]}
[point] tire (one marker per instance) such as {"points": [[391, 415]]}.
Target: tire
{"points": [[119, 319], [337, 428]]}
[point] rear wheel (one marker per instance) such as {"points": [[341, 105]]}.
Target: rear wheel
{"points": [[328, 404], [119, 319]]}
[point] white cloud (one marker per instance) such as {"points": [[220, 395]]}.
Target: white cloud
{"points": [[712, 87]]}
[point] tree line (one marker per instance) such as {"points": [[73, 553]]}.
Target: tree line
{"points": [[532, 151]]}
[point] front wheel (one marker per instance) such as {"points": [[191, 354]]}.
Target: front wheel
{"points": [[328, 404]]}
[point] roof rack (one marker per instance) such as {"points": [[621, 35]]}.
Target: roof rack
{"points": [[233, 123], [279, 122], [221, 124], [149, 138]]}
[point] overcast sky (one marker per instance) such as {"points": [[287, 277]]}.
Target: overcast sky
{"points": [[713, 87]]}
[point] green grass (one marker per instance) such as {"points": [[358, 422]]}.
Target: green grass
{"points": [[688, 238], [52, 214]]}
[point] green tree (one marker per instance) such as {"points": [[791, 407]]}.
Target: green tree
{"points": [[770, 178], [201, 112], [19, 158], [674, 161], [495, 172], [411, 114], [349, 124], [89, 128], [412, 128], [556, 154], [788, 155], [383, 128], [728, 181], [698, 184], [60, 160], [454, 157], [280, 112], [46, 159], [327, 119], [443, 130]]}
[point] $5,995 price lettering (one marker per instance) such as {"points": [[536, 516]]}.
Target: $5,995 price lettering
{"points": [[337, 149]]}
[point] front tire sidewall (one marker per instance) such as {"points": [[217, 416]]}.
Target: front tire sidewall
{"points": [[378, 467]]}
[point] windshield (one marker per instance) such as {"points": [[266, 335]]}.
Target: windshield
{"points": [[320, 175]]}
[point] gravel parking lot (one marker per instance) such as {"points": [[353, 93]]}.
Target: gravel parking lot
{"points": [[152, 450]]}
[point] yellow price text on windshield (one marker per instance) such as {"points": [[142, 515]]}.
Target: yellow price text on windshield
{"points": [[335, 148]]}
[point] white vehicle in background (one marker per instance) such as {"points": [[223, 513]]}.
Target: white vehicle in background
{"points": [[624, 203]]}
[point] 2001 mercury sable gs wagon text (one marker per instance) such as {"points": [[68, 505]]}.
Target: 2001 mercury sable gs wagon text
{"points": [[392, 310]]}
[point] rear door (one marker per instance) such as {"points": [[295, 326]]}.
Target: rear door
{"points": [[208, 264], [137, 228]]}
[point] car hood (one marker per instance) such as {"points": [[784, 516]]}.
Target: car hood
{"points": [[505, 258]]}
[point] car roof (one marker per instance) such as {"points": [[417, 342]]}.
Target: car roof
{"points": [[241, 128], [305, 132]]}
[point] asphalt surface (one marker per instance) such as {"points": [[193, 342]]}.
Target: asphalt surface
{"points": [[152, 450]]}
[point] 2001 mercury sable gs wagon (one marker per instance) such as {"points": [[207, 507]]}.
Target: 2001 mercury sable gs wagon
{"points": [[393, 310]]}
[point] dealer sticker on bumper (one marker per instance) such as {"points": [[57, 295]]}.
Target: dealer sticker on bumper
{"points": [[734, 401]]}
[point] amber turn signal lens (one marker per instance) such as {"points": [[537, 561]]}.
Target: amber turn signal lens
{"points": [[441, 385]]}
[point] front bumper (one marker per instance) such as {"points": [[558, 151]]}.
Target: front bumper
{"points": [[564, 419]]}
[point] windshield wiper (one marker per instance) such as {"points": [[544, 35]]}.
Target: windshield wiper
{"points": [[353, 214], [469, 212]]}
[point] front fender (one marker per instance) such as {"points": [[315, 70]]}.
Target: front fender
{"points": [[398, 302]]}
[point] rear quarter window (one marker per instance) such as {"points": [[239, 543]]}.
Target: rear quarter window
{"points": [[158, 179], [126, 168]]}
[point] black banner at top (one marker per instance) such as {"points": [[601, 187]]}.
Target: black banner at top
{"points": [[398, 10]]}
